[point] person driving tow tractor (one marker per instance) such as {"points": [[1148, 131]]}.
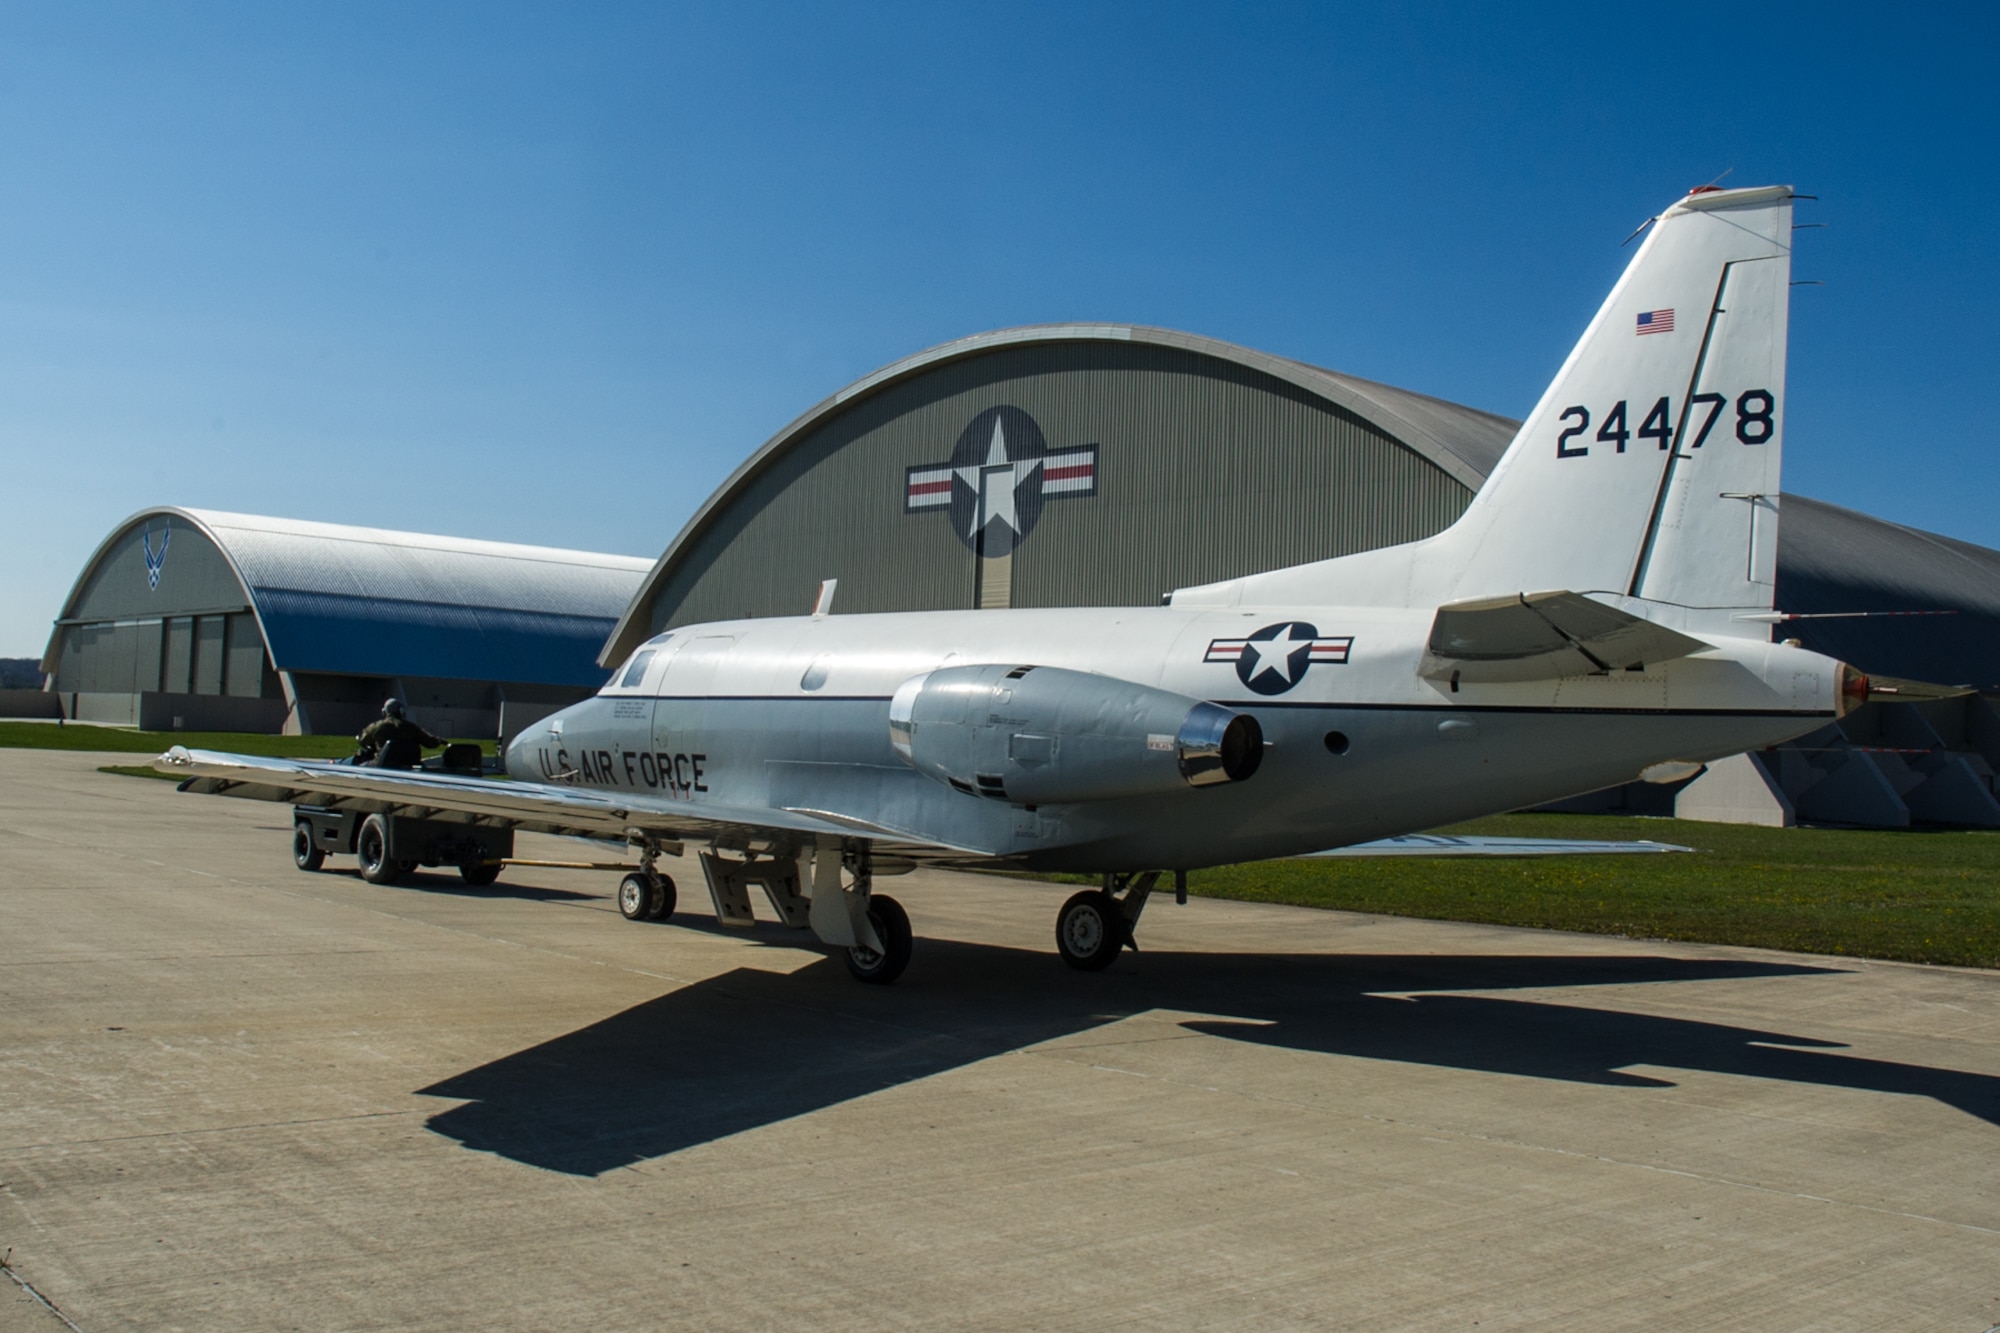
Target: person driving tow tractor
{"points": [[393, 741]]}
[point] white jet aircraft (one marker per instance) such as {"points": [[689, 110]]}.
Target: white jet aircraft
{"points": [[1601, 611]]}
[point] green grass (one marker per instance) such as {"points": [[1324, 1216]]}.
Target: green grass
{"points": [[49, 736], [1926, 897]]}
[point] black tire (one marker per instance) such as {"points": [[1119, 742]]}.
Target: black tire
{"points": [[1091, 931], [306, 852], [635, 898], [371, 844], [665, 898], [479, 874], [892, 926]]}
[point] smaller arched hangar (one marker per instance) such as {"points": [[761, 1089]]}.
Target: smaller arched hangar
{"points": [[198, 620]]}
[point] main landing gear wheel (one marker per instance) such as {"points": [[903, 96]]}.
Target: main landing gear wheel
{"points": [[643, 897], [479, 874], [372, 847], [892, 927], [1091, 930], [306, 853], [665, 898]]}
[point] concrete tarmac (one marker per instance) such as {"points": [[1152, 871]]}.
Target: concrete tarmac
{"points": [[234, 1096]]}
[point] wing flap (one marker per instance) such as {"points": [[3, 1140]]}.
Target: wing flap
{"points": [[1544, 635]]}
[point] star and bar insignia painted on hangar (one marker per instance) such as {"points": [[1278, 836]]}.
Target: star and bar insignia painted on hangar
{"points": [[998, 476], [1276, 657]]}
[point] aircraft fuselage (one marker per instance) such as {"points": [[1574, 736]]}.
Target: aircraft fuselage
{"points": [[793, 714]]}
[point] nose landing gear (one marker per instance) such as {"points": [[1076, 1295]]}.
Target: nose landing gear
{"points": [[646, 894]]}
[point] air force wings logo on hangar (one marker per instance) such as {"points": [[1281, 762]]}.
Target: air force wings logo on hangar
{"points": [[156, 560], [999, 474], [1275, 658]]}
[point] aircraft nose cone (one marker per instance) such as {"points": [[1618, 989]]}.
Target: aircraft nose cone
{"points": [[521, 752]]}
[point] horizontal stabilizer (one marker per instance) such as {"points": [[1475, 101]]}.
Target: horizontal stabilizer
{"points": [[1911, 691], [1543, 635]]}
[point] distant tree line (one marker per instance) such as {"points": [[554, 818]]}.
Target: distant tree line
{"points": [[20, 673]]}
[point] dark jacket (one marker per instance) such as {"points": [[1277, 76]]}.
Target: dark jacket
{"points": [[395, 742]]}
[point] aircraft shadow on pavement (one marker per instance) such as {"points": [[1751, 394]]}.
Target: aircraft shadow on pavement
{"points": [[449, 884], [751, 1048]]}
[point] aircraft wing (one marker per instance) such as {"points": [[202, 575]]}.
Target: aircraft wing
{"points": [[1541, 635], [538, 807], [1444, 844]]}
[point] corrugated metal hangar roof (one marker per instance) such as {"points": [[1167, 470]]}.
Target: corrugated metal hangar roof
{"points": [[1833, 562]]}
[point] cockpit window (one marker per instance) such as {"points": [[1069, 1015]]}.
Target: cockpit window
{"points": [[636, 672]]}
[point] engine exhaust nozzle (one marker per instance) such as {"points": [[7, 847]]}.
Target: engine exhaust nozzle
{"points": [[1216, 745]]}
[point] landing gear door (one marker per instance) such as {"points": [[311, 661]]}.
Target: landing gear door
{"points": [[681, 721]]}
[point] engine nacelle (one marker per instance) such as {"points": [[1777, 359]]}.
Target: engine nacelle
{"points": [[1034, 735]]}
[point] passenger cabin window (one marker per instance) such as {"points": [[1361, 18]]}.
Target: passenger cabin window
{"points": [[636, 672]]}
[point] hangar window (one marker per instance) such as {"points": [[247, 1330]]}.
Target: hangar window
{"points": [[636, 672]]}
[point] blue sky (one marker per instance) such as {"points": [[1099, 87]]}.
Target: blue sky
{"points": [[548, 273]]}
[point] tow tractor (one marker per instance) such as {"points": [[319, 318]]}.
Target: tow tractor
{"points": [[391, 846]]}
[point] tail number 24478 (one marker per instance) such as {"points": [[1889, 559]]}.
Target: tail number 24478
{"points": [[1755, 423]]}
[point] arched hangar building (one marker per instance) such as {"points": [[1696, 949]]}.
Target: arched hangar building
{"points": [[1105, 465], [190, 619]]}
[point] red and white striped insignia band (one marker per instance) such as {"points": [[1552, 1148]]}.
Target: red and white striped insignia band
{"points": [[1332, 650], [1071, 472], [926, 488]]}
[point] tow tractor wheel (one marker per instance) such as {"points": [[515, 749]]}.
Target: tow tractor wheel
{"points": [[665, 898], [1090, 931], [306, 853], [371, 845], [892, 927], [478, 874]]}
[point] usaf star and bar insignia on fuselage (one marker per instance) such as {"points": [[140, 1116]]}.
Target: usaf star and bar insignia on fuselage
{"points": [[1276, 657]]}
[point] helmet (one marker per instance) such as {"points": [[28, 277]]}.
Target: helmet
{"points": [[392, 708]]}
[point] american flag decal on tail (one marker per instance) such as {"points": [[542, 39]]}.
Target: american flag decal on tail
{"points": [[1656, 321]]}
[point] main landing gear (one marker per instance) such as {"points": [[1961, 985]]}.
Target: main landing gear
{"points": [[879, 967], [871, 929], [1095, 926], [846, 910]]}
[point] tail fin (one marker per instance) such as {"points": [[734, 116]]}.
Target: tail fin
{"points": [[1650, 466]]}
